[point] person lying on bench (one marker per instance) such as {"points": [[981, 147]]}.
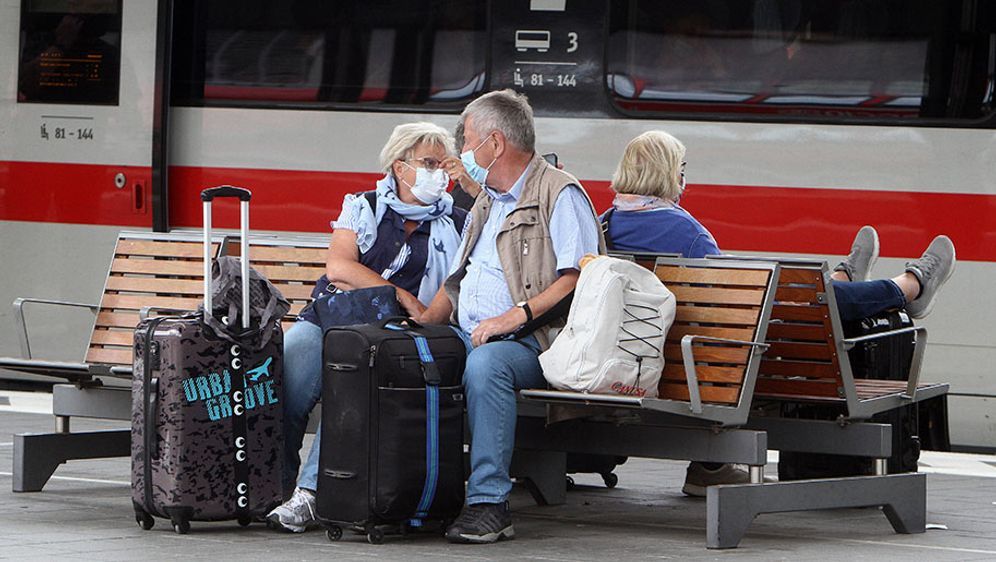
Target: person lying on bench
{"points": [[646, 217], [408, 239], [527, 231]]}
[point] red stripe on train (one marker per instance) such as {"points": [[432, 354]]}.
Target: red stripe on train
{"points": [[743, 218]]}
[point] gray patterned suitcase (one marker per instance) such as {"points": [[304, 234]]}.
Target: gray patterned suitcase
{"points": [[207, 434]]}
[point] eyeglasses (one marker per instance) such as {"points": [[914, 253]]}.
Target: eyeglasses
{"points": [[429, 163]]}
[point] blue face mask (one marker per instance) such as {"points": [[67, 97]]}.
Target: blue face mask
{"points": [[474, 169]]}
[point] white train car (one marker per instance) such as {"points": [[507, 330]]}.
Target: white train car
{"points": [[804, 120]]}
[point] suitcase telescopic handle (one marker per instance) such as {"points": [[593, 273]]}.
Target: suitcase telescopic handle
{"points": [[243, 195], [212, 193]]}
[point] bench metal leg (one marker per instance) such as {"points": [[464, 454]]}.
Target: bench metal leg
{"points": [[731, 509], [37, 455], [545, 474]]}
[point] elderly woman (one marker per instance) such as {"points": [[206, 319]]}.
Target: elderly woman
{"points": [[645, 217], [406, 239]]}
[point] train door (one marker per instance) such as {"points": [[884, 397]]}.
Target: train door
{"points": [[76, 111]]}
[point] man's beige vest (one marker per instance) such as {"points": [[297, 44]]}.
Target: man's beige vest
{"points": [[525, 249]]}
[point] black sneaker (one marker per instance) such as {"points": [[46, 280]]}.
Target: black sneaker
{"points": [[482, 523]]}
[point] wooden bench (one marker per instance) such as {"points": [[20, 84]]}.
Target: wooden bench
{"points": [[797, 318], [148, 273]]}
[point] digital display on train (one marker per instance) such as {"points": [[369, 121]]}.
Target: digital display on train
{"points": [[70, 52]]}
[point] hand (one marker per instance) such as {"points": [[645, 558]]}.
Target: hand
{"points": [[497, 326], [458, 173], [411, 305]]}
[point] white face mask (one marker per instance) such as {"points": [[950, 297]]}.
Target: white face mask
{"points": [[429, 186]]}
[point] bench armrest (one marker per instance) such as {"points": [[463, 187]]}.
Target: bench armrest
{"points": [[22, 327], [688, 358], [919, 345], [144, 312]]}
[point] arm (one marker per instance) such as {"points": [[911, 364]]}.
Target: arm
{"points": [[344, 270], [439, 310], [515, 316]]}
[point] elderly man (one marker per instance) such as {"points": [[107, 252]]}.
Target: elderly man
{"points": [[528, 229]]}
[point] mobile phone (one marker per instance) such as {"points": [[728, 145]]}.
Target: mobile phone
{"points": [[551, 157]]}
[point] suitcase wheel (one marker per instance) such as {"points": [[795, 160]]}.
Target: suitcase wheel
{"points": [[334, 533], [570, 483], [144, 520], [181, 527], [610, 479], [375, 536], [244, 521]]}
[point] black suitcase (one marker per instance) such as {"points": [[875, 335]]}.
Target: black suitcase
{"points": [[392, 428], [207, 423], [602, 465], [888, 358]]}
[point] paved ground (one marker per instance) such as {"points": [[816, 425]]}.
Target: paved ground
{"points": [[85, 514]]}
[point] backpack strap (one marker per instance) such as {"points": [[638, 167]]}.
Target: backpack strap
{"points": [[371, 197], [605, 229]]}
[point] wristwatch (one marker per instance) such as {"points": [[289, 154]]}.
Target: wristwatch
{"points": [[524, 305]]}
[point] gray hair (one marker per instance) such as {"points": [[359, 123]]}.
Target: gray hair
{"points": [[651, 165], [506, 111], [406, 137]]}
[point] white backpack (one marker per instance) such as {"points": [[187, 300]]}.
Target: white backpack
{"points": [[613, 342]]}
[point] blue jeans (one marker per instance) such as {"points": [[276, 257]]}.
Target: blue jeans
{"points": [[494, 372], [302, 389], [857, 300]]}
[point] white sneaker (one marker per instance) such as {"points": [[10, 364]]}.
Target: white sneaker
{"points": [[295, 515]]}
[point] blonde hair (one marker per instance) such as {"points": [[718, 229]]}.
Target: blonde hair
{"points": [[406, 137], [651, 165]]}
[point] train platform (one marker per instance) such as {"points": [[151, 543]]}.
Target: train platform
{"points": [[85, 513]]}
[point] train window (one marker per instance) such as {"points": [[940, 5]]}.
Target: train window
{"points": [[315, 52], [813, 59], [70, 52]]}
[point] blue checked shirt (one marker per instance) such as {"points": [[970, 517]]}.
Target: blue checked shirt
{"points": [[483, 291]]}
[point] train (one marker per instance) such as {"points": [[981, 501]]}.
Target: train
{"points": [[804, 120]]}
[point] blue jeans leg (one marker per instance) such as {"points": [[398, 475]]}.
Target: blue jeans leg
{"points": [[302, 389], [857, 300], [494, 372]]}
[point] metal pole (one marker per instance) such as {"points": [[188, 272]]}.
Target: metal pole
{"points": [[757, 474], [244, 210], [881, 467]]}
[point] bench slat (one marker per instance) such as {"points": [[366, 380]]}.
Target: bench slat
{"points": [[276, 273], [798, 332], [137, 302], [717, 315], [176, 249], [712, 276], [791, 350], [714, 394], [315, 257], [798, 313], [108, 319], [809, 369], [679, 331], [795, 294], [800, 276], [712, 295], [155, 285], [180, 268], [112, 337], [706, 373], [709, 354], [109, 355], [800, 389]]}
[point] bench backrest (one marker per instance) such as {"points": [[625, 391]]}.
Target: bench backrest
{"points": [[166, 271], [732, 302], [804, 360]]}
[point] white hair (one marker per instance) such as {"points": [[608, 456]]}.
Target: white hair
{"points": [[506, 111], [651, 165], [406, 137]]}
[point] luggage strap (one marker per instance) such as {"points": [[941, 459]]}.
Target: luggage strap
{"points": [[432, 379]]}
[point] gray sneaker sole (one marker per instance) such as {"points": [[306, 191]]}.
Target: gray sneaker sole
{"points": [[274, 522], [916, 313], [508, 533]]}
